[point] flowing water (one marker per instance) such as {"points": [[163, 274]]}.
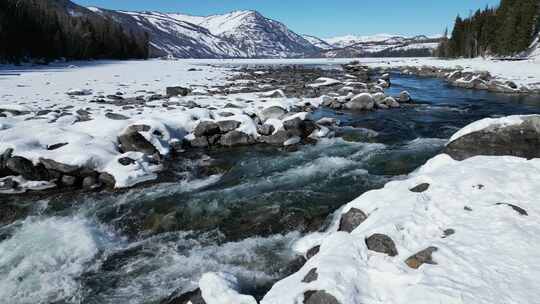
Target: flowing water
{"points": [[141, 245]]}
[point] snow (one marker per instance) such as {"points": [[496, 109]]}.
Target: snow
{"points": [[221, 288], [490, 122], [324, 82], [481, 263]]}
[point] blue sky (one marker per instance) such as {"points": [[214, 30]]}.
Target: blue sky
{"points": [[325, 18]]}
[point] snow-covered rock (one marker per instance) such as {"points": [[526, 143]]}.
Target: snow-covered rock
{"points": [[222, 288]]}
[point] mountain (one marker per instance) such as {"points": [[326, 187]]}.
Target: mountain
{"points": [[318, 42], [245, 34], [381, 45]]}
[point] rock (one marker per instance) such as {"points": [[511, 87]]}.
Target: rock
{"points": [[236, 138], [352, 219], [126, 161], [422, 257], [522, 140], [26, 169], [228, 125], [107, 179], [134, 141], [277, 138], [191, 297], [4, 171], [90, 182], [328, 122], [200, 142], [319, 297], [299, 127], [265, 129], [448, 232], [79, 92], [391, 102], [292, 141], [518, 209], [311, 276], [313, 252], [68, 180], [420, 188], [177, 91], [404, 97], [56, 146], [363, 101], [272, 112], [115, 116], [8, 184], [206, 128], [139, 128], [56, 166], [381, 243]]}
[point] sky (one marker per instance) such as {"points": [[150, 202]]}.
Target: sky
{"points": [[324, 18]]}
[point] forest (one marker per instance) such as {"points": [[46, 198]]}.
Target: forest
{"points": [[505, 30], [47, 30]]}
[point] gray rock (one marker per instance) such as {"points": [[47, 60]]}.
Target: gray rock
{"points": [[381, 243], [404, 97], [26, 169], [126, 161], [191, 297], [361, 102], [90, 182], [206, 128], [299, 127], [448, 232], [352, 219], [134, 141], [311, 276], [4, 171], [517, 209], [277, 138], [422, 257], [319, 297], [328, 122], [200, 142], [115, 116], [515, 140], [56, 166], [420, 188], [313, 252], [228, 125], [272, 112], [107, 179], [265, 129], [69, 180], [236, 138], [177, 91]]}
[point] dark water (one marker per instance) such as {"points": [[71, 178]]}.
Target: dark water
{"points": [[141, 245]]}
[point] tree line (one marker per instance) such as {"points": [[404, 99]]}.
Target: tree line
{"points": [[46, 30], [504, 30]]}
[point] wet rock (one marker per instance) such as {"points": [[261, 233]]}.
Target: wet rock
{"points": [[265, 129], [319, 297], [311, 276], [521, 140], [352, 219], [313, 252], [8, 184], [26, 169], [299, 127], [328, 122], [134, 141], [56, 146], [381, 243], [69, 180], [107, 179], [228, 125], [420, 188], [422, 257], [236, 138], [277, 138], [177, 91], [206, 128], [200, 142], [90, 182], [404, 97], [361, 102], [115, 116], [391, 102], [295, 140], [191, 297], [517, 209], [4, 171], [448, 232]]}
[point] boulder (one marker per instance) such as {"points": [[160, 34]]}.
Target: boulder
{"points": [[404, 97], [26, 169], [272, 112], [422, 257], [115, 116], [319, 297], [69, 180], [381, 243], [313, 252], [299, 127], [200, 142], [4, 171], [107, 179], [228, 125], [236, 138], [206, 128], [352, 219], [520, 140], [191, 297], [265, 129], [90, 182], [391, 102], [134, 141], [361, 102], [60, 167], [420, 188], [177, 91], [277, 138]]}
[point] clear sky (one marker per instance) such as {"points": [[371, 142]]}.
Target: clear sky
{"points": [[325, 18]]}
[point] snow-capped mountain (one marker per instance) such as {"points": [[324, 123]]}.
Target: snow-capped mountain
{"points": [[239, 34], [318, 42], [381, 45]]}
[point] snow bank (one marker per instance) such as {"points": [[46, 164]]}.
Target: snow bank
{"points": [[490, 122], [470, 212]]}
